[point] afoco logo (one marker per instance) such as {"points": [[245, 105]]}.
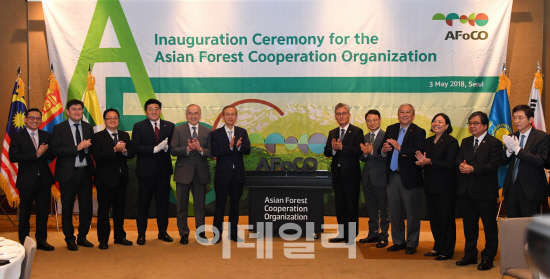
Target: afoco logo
{"points": [[480, 19]]}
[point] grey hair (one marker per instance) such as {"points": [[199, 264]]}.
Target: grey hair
{"points": [[406, 104], [340, 105], [187, 108]]}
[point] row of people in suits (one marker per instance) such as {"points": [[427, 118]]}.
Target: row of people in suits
{"points": [[85, 159], [400, 161]]}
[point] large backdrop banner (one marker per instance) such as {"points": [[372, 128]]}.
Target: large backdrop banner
{"points": [[285, 64]]}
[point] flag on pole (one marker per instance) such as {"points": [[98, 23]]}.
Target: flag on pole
{"points": [[536, 104], [500, 119], [52, 114], [16, 123], [92, 112]]}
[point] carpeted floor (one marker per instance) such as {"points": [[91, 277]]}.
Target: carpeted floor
{"points": [[159, 259]]}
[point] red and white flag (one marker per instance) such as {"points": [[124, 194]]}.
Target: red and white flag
{"points": [[536, 104]]}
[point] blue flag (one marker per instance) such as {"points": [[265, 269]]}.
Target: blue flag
{"points": [[500, 119]]}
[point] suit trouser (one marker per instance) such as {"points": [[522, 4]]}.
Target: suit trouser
{"points": [[199, 195], [346, 202], [517, 204], [376, 200], [159, 185], [411, 199], [79, 185], [472, 210], [107, 197], [441, 209], [40, 195], [234, 190]]}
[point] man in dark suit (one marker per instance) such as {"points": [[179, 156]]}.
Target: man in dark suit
{"points": [[112, 148], [526, 152], [74, 170], [373, 179], [151, 138], [404, 178], [344, 146], [191, 145], [478, 161], [29, 148], [229, 143]]}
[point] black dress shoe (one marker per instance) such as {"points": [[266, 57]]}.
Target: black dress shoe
{"points": [[124, 242], [141, 239], [84, 242], [103, 246], [466, 261], [431, 254], [395, 247], [236, 238], [184, 239], [44, 246], [201, 238], [410, 250], [382, 243], [485, 265], [337, 239], [72, 246], [442, 258], [165, 237], [368, 239]]}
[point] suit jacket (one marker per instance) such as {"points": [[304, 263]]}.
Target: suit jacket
{"points": [[186, 163], [375, 165], [110, 164], [227, 158], [348, 157], [22, 151], [65, 149], [482, 184], [414, 140], [531, 165], [144, 140], [440, 177]]}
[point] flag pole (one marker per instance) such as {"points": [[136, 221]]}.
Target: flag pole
{"points": [[500, 202]]}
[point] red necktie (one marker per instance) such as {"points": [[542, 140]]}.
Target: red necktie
{"points": [[157, 132]]}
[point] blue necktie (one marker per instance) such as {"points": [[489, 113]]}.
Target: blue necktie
{"points": [[395, 155], [515, 175]]}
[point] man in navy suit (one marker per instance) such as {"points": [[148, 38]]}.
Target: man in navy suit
{"points": [[30, 149], [344, 146], [229, 144], [112, 149], [74, 170], [404, 178], [525, 186], [152, 138]]}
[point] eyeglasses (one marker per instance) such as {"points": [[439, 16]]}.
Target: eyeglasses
{"points": [[372, 120], [342, 114], [153, 109], [32, 118], [473, 123], [111, 118], [193, 113]]}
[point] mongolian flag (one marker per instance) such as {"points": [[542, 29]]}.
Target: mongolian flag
{"points": [[16, 123], [92, 112], [500, 119], [52, 114], [536, 104]]}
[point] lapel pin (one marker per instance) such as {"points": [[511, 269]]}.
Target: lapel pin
{"points": [[483, 141]]}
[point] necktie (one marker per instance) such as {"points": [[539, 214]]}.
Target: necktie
{"points": [[34, 140], [194, 135], [115, 139], [342, 134], [516, 164], [395, 155], [230, 135], [81, 153], [157, 132], [476, 144], [371, 138]]}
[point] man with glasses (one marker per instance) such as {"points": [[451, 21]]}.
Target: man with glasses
{"points": [[344, 146], [191, 145], [373, 179], [74, 170], [478, 161], [112, 149], [30, 149], [404, 178], [152, 138]]}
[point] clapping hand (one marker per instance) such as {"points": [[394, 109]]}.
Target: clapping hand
{"points": [[41, 149], [336, 144], [387, 147], [422, 160], [120, 146], [366, 148], [465, 168], [84, 144]]}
